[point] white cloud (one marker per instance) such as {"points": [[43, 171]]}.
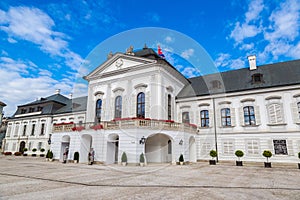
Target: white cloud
{"points": [[33, 25], [247, 46], [255, 8], [187, 53], [190, 72], [11, 40], [225, 61], [169, 39]]}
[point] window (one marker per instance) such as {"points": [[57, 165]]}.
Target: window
{"points": [[39, 108], [23, 111], [204, 118], [40, 145], [257, 78], [42, 129], [118, 107], [98, 110], [32, 129], [228, 148], [140, 105], [16, 130], [249, 116], [280, 147], [31, 109], [24, 130], [29, 146], [275, 114], [252, 147], [8, 131], [185, 117], [225, 117], [298, 104], [169, 107], [205, 148], [216, 84]]}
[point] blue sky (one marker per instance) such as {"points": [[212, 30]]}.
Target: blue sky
{"points": [[44, 43]]}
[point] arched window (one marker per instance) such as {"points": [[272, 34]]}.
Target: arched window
{"points": [[118, 107], [169, 107], [204, 118], [225, 117], [169, 147], [98, 110], [275, 114], [140, 106], [186, 117], [249, 115]]}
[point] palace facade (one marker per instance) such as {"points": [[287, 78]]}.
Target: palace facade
{"points": [[139, 103]]}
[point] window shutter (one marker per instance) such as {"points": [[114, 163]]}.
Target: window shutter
{"points": [[241, 116], [218, 118], [257, 115], [270, 146], [232, 116], [290, 147], [271, 114], [211, 117], [147, 105], [295, 113]]}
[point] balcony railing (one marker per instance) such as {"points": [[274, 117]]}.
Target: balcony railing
{"points": [[127, 123]]}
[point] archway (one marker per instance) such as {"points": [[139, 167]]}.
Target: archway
{"points": [[85, 147], [112, 152], [22, 146], [158, 148], [192, 149], [65, 142]]}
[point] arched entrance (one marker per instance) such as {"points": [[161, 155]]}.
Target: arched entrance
{"points": [[85, 147], [192, 149], [65, 142], [22, 146], [112, 152], [158, 148]]}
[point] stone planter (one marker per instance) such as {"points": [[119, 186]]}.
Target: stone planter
{"points": [[142, 164], [212, 162], [124, 163], [268, 165], [239, 163], [75, 161], [181, 163]]}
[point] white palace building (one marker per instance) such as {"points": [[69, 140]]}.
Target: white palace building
{"points": [[139, 103]]}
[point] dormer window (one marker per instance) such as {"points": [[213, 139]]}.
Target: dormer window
{"points": [[257, 78], [31, 109], [23, 111], [39, 108], [216, 84]]}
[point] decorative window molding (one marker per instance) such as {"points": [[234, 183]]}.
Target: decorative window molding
{"points": [[224, 102], [98, 93], [185, 107], [141, 85], [273, 97], [296, 95], [170, 89], [118, 89], [203, 104], [247, 100]]}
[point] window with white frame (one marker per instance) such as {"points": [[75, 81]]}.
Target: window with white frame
{"points": [[185, 117], [32, 129], [252, 147], [118, 107], [24, 129], [249, 115], [140, 105], [29, 146], [16, 130], [205, 148], [275, 113], [40, 145], [98, 110], [228, 147], [204, 117], [8, 131], [169, 107], [42, 129], [225, 117]]}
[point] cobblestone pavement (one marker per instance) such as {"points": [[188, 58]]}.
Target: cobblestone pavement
{"points": [[34, 178]]}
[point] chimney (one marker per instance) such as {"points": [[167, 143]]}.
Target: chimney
{"points": [[57, 91], [252, 62], [71, 95]]}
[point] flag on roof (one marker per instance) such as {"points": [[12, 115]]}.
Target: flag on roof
{"points": [[159, 52]]}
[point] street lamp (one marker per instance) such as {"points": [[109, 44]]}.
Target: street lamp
{"points": [[142, 140], [181, 142], [49, 140]]}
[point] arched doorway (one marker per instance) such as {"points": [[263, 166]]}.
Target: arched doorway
{"points": [[158, 148], [22, 146], [192, 149], [112, 152], [65, 142], [85, 147]]}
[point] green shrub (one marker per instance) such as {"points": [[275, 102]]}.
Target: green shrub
{"points": [[42, 150], [239, 153], [124, 157], [76, 156], [47, 154], [213, 153], [267, 154], [50, 156], [25, 149], [142, 158], [181, 159], [34, 150]]}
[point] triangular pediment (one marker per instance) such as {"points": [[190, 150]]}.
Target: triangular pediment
{"points": [[117, 64]]}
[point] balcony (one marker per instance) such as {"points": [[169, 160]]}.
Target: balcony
{"points": [[127, 123]]}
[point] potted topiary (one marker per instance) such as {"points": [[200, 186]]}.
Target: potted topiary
{"points": [[76, 157], [24, 151], [142, 160], [50, 155], [181, 159], [299, 158], [239, 154], [267, 154], [213, 154], [124, 159], [42, 150], [33, 150]]}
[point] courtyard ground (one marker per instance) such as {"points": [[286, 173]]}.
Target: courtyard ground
{"points": [[34, 178]]}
